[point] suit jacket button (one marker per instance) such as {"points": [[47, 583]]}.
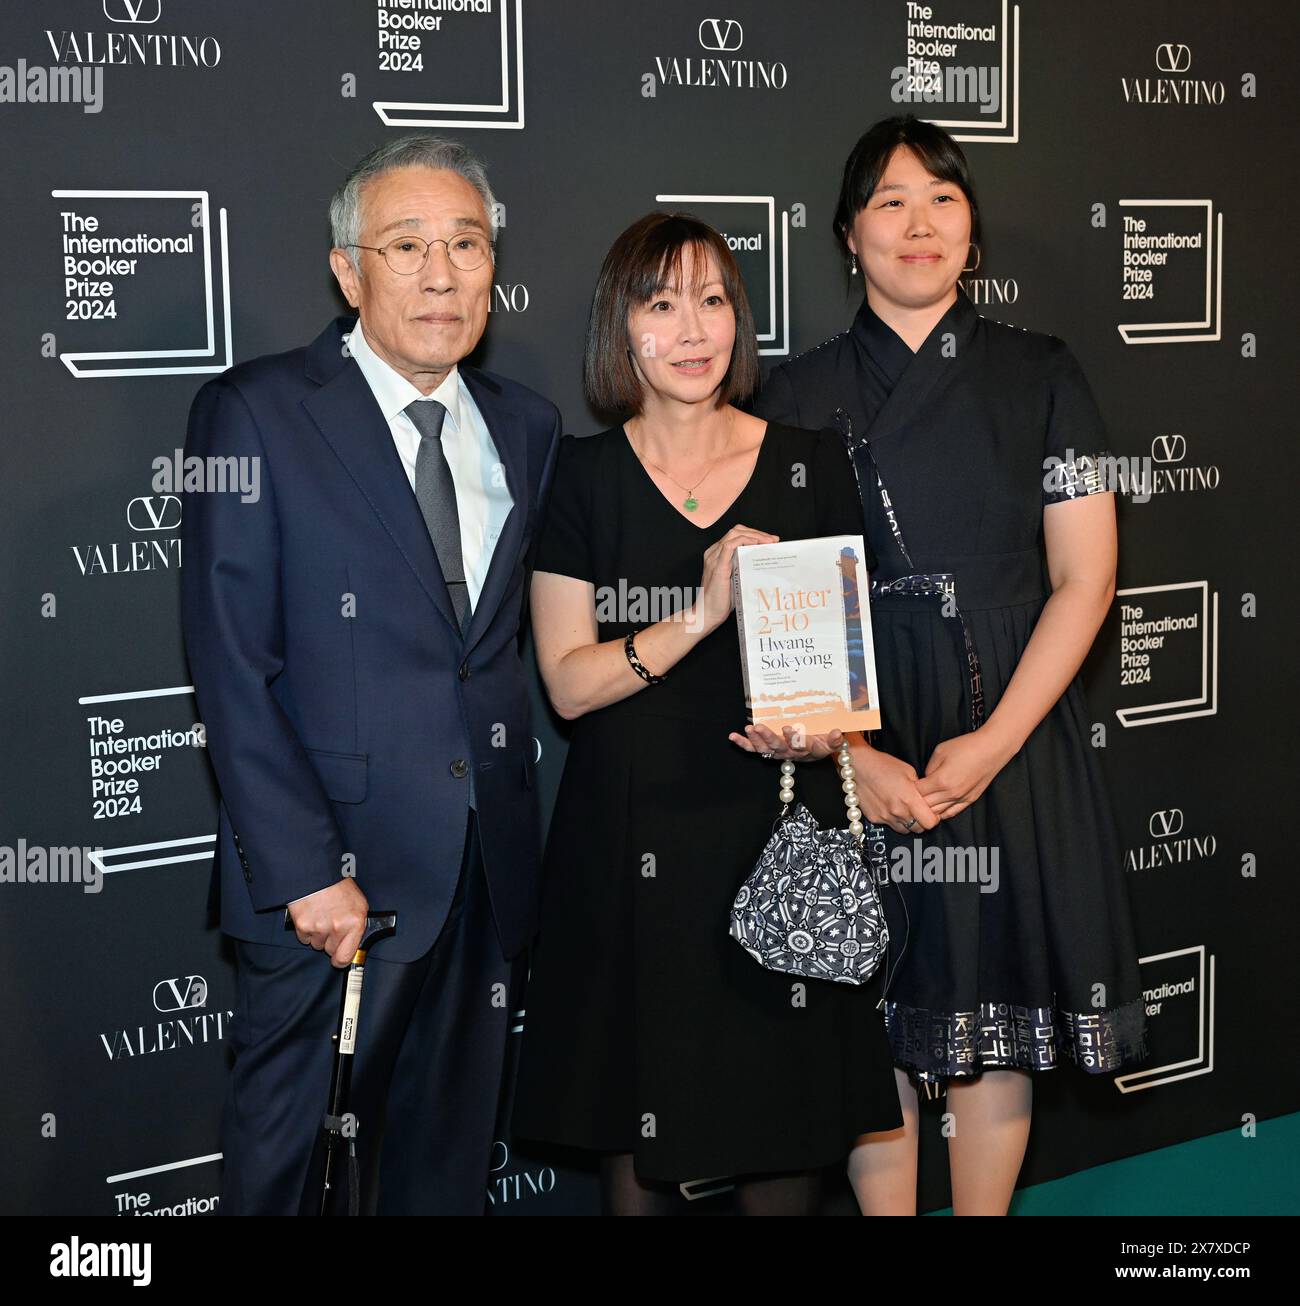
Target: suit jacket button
{"points": [[463, 673], [460, 768]]}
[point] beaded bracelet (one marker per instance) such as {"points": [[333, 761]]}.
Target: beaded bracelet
{"points": [[848, 783], [637, 665]]}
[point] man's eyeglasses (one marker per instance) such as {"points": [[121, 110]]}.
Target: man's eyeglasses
{"points": [[407, 254]]}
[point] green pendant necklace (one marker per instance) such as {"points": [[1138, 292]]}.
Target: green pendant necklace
{"points": [[690, 503]]}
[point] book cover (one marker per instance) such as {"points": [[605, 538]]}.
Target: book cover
{"points": [[805, 634]]}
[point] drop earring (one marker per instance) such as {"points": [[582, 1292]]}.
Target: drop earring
{"points": [[853, 265]]}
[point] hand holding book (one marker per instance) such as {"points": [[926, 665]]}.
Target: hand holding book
{"points": [[790, 743], [716, 599]]}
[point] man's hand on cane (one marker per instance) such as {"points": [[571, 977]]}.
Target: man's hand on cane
{"points": [[332, 920]]}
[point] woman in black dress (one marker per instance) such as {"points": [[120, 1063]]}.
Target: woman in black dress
{"points": [[975, 447], [651, 1037]]}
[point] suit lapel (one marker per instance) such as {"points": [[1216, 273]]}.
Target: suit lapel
{"points": [[345, 411], [506, 427]]}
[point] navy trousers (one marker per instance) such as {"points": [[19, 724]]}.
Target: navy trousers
{"points": [[426, 1076]]}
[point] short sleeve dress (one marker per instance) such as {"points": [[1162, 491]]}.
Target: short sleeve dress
{"points": [[648, 1029], [958, 448]]}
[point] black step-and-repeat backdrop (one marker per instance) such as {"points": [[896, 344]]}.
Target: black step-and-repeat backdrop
{"points": [[1134, 169]]}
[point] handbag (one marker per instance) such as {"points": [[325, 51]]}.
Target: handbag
{"points": [[810, 906]]}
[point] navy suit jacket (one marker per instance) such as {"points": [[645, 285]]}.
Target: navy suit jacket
{"points": [[344, 708]]}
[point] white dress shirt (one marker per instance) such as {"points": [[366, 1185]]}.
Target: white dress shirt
{"points": [[483, 499]]}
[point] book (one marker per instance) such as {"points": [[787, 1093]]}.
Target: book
{"points": [[805, 634]]}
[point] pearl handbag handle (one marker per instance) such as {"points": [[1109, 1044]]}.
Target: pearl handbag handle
{"points": [[848, 783]]}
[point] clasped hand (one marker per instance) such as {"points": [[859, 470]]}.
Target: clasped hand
{"points": [[959, 771], [889, 790]]}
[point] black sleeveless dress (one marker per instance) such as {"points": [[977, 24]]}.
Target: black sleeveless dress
{"points": [[958, 448], [647, 1028]]}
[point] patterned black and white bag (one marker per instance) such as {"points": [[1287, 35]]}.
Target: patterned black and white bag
{"points": [[810, 906]]}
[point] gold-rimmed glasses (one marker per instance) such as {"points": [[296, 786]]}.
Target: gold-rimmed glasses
{"points": [[406, 255]]}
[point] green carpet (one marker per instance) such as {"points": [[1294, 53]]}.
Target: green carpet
{"points": [[1224, 1174]]}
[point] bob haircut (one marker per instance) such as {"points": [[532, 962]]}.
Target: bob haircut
{"points": [[644, 261], [939, 154]]}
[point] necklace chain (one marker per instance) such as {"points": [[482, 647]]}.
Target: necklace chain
{"points": [[690, 503]]}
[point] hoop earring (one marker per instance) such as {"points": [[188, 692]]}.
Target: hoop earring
{"points": [[977, 259]]}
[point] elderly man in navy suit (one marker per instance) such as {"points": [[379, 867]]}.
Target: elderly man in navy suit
{"points": [[354, 636]]}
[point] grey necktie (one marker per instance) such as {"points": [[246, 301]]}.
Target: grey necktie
{"points": [[436, 493]]}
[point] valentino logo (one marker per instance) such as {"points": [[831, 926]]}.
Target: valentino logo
{"points": [[1173, 58], [1170, 844], [509, 298], [183, 999], [178, 994], [513, 1187], [133, 11], [718, 36], [1165, 823], [721, 34], [1168, 448], [1170, 474], [154, 512]]}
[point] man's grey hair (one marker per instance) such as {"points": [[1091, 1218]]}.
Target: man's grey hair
{"points": [[424, 150]]}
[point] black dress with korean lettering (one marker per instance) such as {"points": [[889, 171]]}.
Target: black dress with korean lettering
{"points": [[647, 1028], [958, 448]]}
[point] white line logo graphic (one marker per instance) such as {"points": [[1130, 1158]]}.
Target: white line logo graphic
{"points": [[84, 364], [500, 113], [776, 327]]}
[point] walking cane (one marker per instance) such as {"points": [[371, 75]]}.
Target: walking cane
{"points": [[379, 925]]}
